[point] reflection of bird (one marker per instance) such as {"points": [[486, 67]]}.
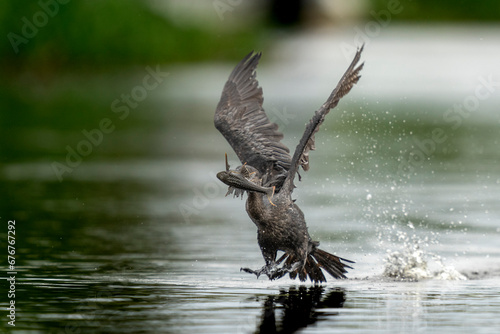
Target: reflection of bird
{"points": [[269, 170], [299, 308]]}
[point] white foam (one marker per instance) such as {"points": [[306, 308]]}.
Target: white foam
{"points": [[411, 263]]}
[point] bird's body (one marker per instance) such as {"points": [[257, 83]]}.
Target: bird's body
{"points": [[268, 172], [279, 227]]}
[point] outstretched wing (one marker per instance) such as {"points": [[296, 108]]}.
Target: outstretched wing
{"points": [[243, 122], [306, 144]]}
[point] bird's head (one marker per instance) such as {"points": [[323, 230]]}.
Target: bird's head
{"points": [[243, 178]]}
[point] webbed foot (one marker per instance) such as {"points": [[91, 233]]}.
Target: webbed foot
{"points": [[272, 271], [255, 272]]}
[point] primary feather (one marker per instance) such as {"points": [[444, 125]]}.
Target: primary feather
{"points": [[243, 122]]}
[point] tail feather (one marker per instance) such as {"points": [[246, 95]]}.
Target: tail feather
{"points": [[303, 273], [314, 270], [316, 260], [331, 263]]}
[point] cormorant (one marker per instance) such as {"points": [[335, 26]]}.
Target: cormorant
{"points": [[268, 170]]}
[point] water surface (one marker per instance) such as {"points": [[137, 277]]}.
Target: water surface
{"points": [[140, 238]]}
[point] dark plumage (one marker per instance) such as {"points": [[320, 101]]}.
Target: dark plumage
{"points": [[269, 170]]}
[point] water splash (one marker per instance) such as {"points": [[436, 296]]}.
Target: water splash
{"points": [[410, 263]]}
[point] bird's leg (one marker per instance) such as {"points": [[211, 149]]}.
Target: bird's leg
{"points": [[270, 258], [295, 266], [272, 271], [277, 273], [255, 272], [268, 269], [280, 272], [270, 197]]}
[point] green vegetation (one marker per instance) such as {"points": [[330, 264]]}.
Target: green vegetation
{"points": [[63, 62], [446, 10], [82, 35], [51, 35]]}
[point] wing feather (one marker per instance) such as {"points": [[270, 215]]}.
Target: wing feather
{"points": [[307, 142], [240, 118]]}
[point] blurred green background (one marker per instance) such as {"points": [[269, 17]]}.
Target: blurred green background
{"points": [[81, 54], [61, 70]]}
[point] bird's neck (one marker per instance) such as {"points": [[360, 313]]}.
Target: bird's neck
{"points": [[256, 208]]}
